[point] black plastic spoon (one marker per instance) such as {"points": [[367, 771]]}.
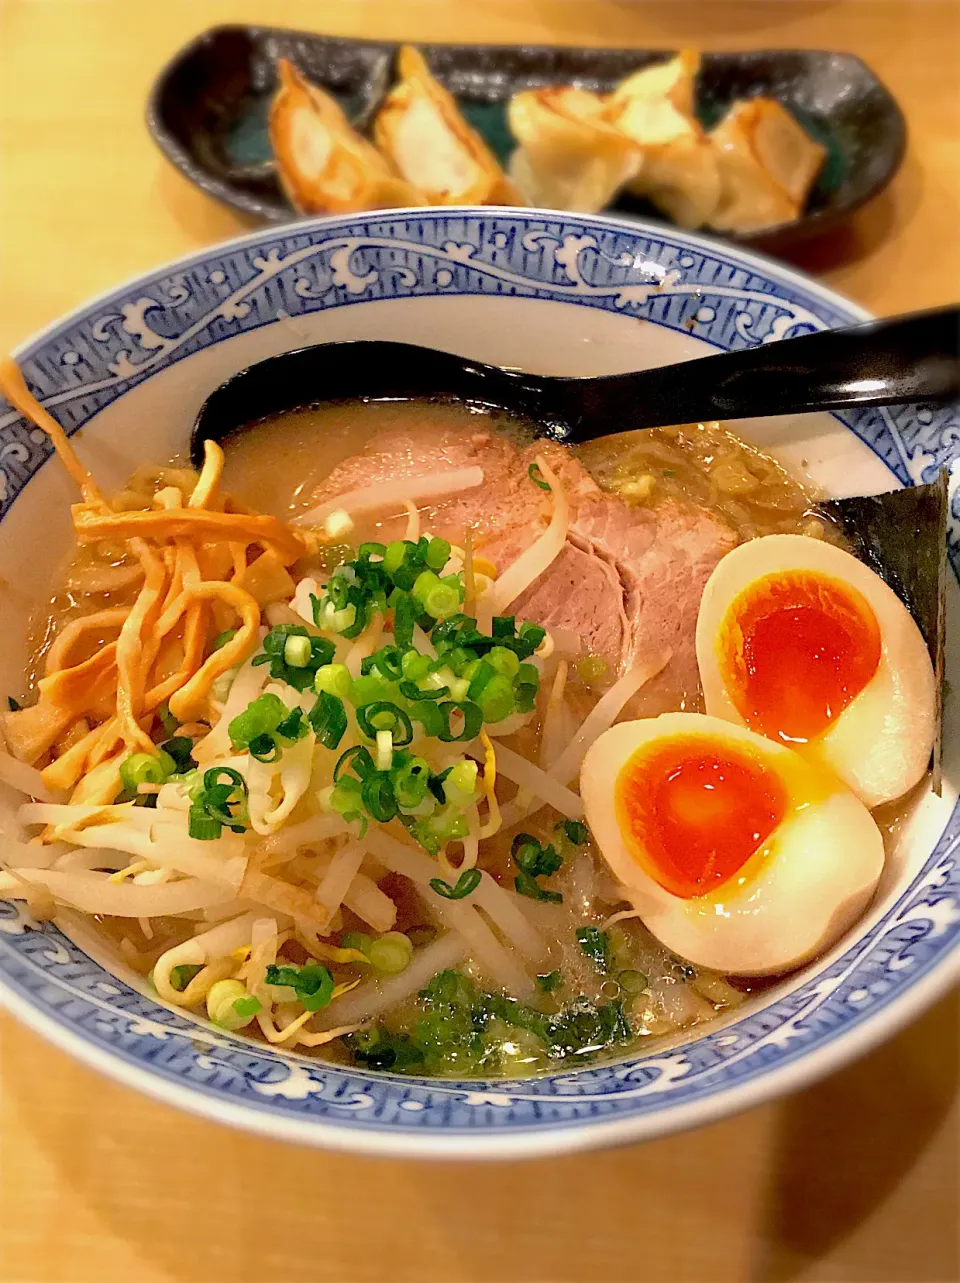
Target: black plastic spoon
{"points": [[890, 362]]}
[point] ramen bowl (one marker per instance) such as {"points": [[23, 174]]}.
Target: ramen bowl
{"points": [[557, 294]]}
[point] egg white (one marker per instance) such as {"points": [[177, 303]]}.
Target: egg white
{"points": [[811, 878], [880, 744]]}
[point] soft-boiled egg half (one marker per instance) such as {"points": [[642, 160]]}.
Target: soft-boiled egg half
{"points": [[803, 643], [738, 853]]}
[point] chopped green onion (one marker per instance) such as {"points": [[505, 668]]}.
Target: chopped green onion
{"points": [[444, 632], [376, 793], [201, 826], [437, 554], [345, 798], [146, 768], [537, 477], [595, 945], [222, 638], [217, 798], [410, 783], [405, 615], [496, 700], [298, 675], [180, 749], [371, 549], [442, 601], [550, 982], [261, 717], [228, 1005], [472, 722], [248, 1006], [382, 715], [503, 660], [576, 832], [328, 718], [343, 621], [429, 716], [388, 661], [449, 824], [264, 748], [356, 758], [460, 786], [335, 679], [531, 888], [338, 590], [358, 940], [426, 582], [409, 691], [632, 982], [531, 635], [459, 688], [436, 784], [466, 884], [168, 721], [458, 658], [296, 651], [391, 953], [414, 666], [480, 678], [384, 751], [181, 976], [591, 669], [293, 727], [525, 698], [313, 984], [394, 555]]}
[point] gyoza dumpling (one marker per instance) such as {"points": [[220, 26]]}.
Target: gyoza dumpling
{"points": [[420, 129], [654, 107], [568, 156], [324, 165], [767, 165]]}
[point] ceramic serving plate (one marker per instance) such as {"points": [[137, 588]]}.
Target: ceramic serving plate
{"points": [[208, 108], [521, 287]]}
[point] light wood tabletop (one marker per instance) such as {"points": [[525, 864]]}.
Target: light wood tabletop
{"points": [[853, 1179]]}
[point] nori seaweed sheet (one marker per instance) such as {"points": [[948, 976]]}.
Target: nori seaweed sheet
{"points": [[902, 536]]}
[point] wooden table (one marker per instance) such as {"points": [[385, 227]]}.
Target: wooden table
{"points": [[854, 1179]]}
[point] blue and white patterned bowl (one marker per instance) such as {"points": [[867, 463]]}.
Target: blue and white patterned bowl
{"points": [[556, 293]]}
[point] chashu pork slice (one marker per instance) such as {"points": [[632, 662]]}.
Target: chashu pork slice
{"points": [[629, 579]]}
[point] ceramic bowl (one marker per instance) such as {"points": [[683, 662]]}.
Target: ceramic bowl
{"points": [[522, 287]]}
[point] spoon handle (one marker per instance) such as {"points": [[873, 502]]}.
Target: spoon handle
{"points": [[911, 358]]}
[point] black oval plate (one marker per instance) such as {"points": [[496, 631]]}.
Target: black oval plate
{"points": [[207, 110]]}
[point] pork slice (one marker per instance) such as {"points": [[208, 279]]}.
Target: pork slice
{"points": [[628, 581], [501, 514], [580, 592], [661, 558]]}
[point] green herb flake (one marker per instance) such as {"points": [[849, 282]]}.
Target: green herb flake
{"points": [[595, 945], [549, 982], [181, 976]]}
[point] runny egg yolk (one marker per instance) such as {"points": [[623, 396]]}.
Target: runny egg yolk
{"points": [[692, 811], [795, 648]]}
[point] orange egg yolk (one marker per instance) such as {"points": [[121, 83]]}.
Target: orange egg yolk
{"points": [[692, 811], [795, 648]]}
